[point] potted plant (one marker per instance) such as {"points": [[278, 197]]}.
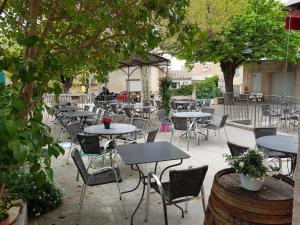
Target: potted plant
{"points": [[252, 168], [106, 121]]}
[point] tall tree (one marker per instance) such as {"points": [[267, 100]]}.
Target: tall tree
{"points": [[234, 32]]}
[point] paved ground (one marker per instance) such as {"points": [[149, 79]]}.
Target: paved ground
{"points": [[101, 204]]}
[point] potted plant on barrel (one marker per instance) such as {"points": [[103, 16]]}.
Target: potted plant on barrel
{"points": [[252, 168], [106, 121]]}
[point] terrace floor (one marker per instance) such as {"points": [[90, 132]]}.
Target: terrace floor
{"points": [[102, 205]]}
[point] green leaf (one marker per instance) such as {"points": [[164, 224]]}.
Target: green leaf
{"points": [[12, 127], [19, 150], [40, 178]]}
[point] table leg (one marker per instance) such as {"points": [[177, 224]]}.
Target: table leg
{"points": [[168, 167], [142, 178]]}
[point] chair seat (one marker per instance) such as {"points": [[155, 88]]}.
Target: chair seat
{"points": [[104, 177]]}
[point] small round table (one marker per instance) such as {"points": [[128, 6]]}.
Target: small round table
{"points": [[192, 115], [281, 143], [116, 129]]}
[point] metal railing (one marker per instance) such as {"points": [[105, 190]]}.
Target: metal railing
{"points": [[263, 110], [79, 100]]}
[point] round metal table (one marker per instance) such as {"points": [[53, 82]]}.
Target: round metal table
{"points": [[116, 129], [281, 143], [192, 115]]}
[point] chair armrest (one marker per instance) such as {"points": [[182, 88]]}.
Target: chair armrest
{"points": [[162, 193], [158, 183]]}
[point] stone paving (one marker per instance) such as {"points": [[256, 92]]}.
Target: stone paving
{"points": [[102, 205]]}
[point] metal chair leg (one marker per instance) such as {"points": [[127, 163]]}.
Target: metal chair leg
{"points": [[82, 197], [147, 199], [172, 133], [120, 195], [225, 133], [69, 153], [203, 198]]}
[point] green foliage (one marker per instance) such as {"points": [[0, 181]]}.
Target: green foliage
{"points": [[257, 25], [41, 41], [165, 93], [4, 206], [184, 90], [24, 140], [208, 88], [251, 163], [41, 198]]}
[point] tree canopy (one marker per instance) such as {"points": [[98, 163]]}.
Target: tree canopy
{"points": [[43, 41], [250, 30]]}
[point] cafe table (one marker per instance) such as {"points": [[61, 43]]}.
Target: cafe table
{"points": [[286, 144], [115, 130], [153, 152]]}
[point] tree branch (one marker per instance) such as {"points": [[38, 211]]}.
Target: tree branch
{"points": [[2, 6], [50, 19]]}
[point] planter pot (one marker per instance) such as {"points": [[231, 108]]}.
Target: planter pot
{"points": [[5, 222], [106, 125], [251, 183]]}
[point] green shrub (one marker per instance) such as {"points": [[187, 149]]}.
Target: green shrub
{"points": [[165, 93], [208, 88], [40, 198], [184, 90]]}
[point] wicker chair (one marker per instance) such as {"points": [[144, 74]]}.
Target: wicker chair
{"points": [[90, 146], [152, 135], [211, 125], [268, 131], [129, 114], [163, 118], [73, 129], [236, 150], [183, 186], [86, 108], [116, 113], [94, 110], [181, 124], [104, 175], [140, 124], [267, 112]]}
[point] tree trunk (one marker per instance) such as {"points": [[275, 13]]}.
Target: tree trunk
{"points": [[145, 74], [228, 69], [67, 83]]}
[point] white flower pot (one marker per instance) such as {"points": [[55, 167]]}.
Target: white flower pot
{"points": [[251, 183]]}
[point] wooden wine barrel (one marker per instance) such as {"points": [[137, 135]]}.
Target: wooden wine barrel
{"points": [[231, 204]]}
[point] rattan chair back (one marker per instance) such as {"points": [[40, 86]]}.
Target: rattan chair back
{"points": [[86, 108], [236, 150], [180, 123], [264, 131], [80, 165], [223, 120], [184, 183], [152, 135], [89, 143]]}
